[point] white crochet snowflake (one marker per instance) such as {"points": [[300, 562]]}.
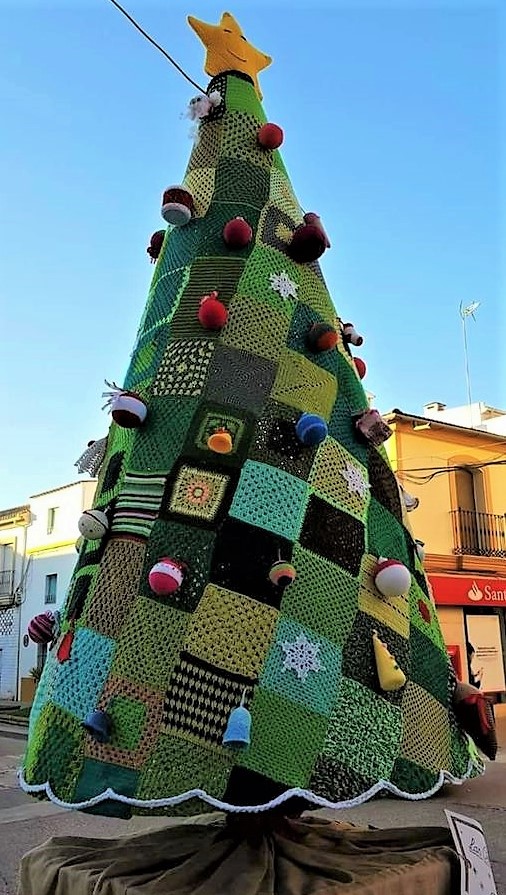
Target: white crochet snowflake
{"points": [[354, 476], [301, 656], [282, 283]]}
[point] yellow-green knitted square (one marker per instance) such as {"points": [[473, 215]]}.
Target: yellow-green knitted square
{"points": [[390, 611], [128, 718], [282, 195], [426, 729], [231, 631], [340, 479], [149, 644], [301, 384], [254, 326], [54, 752], [200, 183]]}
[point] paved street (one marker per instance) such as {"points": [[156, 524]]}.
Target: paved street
{"points": [[25, 822]]}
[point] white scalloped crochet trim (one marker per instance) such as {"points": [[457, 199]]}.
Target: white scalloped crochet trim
{"points": [[381, 786]]}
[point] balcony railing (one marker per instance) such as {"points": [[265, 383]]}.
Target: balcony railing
{"points": [[478, 534], [6, 582]]}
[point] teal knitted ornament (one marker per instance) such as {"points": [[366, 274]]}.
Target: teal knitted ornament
{"points": [[238, 732]]}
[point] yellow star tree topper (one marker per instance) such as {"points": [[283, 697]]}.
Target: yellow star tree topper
{"points": [[228, 49]]}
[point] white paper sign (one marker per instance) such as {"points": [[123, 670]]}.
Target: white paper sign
{"points": [[477, 877]]}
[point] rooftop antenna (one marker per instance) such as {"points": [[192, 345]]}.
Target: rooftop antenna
{"points": [[465, 312]]}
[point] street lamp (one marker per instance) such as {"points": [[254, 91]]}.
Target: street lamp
{"points": [[465, 312]]}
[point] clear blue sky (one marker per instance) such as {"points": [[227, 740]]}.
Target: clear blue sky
{"points": [[392, 122]]}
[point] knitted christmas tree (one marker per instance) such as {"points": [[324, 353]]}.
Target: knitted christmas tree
{"points": [[248, 620]]}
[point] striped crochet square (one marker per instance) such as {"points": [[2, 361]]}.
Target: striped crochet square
{"points": [[138, 505], [270, 498]]}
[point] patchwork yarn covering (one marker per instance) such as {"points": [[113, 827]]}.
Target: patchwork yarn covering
{"points": [[169, 669]]}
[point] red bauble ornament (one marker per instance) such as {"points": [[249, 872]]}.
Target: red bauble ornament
{"points": [[237, 233], [360, 366], [166, 576], [155, 245], [212, 313], [270, 136], [309, 240]]}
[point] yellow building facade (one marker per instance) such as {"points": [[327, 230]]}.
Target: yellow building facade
{"points": [[458, 477]]}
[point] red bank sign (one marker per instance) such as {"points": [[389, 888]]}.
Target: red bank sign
{"points": [[462, 590]]}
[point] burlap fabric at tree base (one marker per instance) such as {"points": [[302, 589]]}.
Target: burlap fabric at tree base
{"points": [[307, 856]]}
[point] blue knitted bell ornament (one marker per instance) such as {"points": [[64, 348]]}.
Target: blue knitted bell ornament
{"points": [[238, 732], [99, 725]]}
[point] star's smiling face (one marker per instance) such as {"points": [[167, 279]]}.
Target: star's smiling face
{"points": [[228, 49]]}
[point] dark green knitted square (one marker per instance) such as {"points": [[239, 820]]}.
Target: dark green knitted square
{"points": [[163, 300], [350, 385], [365, 731], [334, 778], [410, 777], [302, 321], [219, 214], [158, 443], [385, 535], [429, 666], [219, 274], [211, 417], [97, 777], [167, 539], [358, 655], [342, 428], [232, 174], [146, 358], [181, 247], [286, 739]]}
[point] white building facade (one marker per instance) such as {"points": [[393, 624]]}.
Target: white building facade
{"points": [[14, 524], [45, 567]]}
